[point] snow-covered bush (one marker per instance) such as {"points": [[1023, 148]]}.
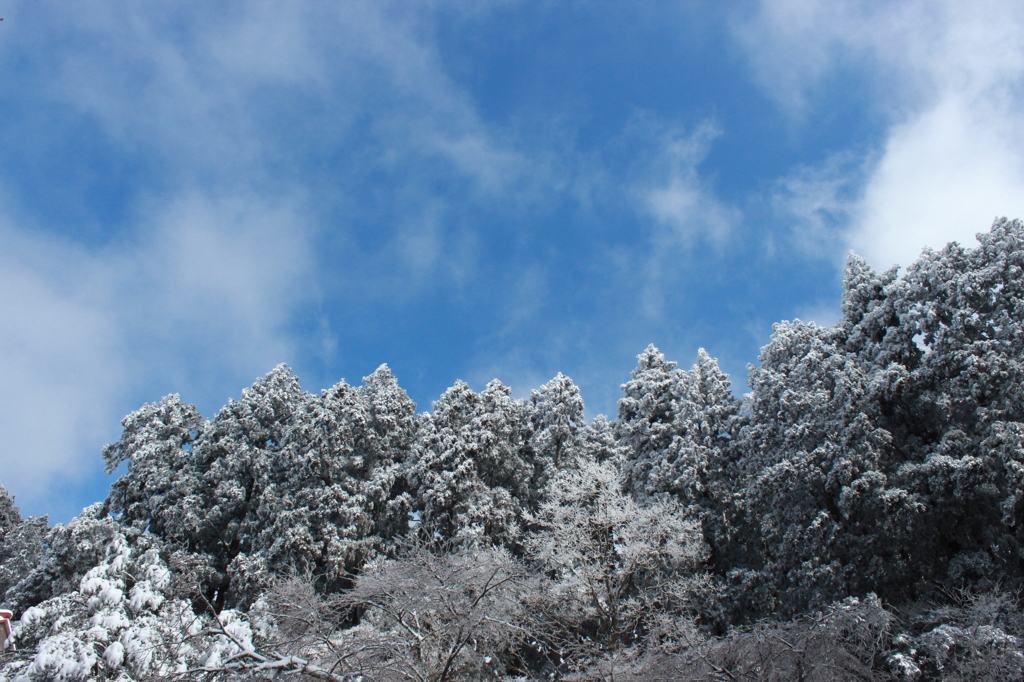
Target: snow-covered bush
{"points": [[122, 622], [426, 615], [615, 563]]}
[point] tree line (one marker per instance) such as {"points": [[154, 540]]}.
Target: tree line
{"points": [[856, 515]]}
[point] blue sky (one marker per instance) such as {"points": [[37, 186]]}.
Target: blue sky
{"points": [[193, 192]]}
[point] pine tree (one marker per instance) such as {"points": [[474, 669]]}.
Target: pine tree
{"points": [[557, 420], [21, 551], [473, 468], [706, 422], [10, 516], [163, 477], [647, 422], [820, 504], [336, 490]]}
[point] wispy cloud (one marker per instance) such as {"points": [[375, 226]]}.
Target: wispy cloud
{"points": [[676, 202], [225, 107], [678, 197], [200, 299], [817, 203]]}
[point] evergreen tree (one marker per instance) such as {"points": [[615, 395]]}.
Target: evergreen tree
{"points": [[163, 479], [823, 518], [22, 542], [885, 451], [557, 420], [473, 467], [695, 464], [68, 552], [21, 550], [598, 441], [958, 412], [336, 487], [10, 516], [648, 415]]}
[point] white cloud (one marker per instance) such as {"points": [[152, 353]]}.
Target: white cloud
{"points": [[60, 360], [947, 77], [201, 298], [219, 249], [223, 275], [943, 177]]}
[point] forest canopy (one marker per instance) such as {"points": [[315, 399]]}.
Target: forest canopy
{"points": [[856, 515]]}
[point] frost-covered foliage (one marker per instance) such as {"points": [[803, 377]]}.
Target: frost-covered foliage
{"points": [[886, 452], [557, 422], [695, 429], [882, 455], [824, 516], [279, 478], [844, 642], [438, 616], [648, 420], [21, 550], [615, 562], [121, 620], [336, 488], [70, 550], [473, 466], [10, 516], [975, 636]]}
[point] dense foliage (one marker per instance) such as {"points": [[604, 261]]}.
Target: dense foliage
{"points": [[859, 514]]}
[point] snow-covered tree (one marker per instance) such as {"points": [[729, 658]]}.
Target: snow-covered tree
{"points": [[438, 616], [163, 478], [958, 412], [557, 420], [121, 622], [885, 452], [70, 550], [823, 517], [336, 488], [197, 484], [277, 479], [695, 462], [648, 415], [21, 543], [10, 516], [21, 550], [473, 467], [615, 562], [598, 441]]}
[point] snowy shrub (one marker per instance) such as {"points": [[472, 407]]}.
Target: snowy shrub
{"points": [[615, 563], [121, 621], [426, 615]]}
